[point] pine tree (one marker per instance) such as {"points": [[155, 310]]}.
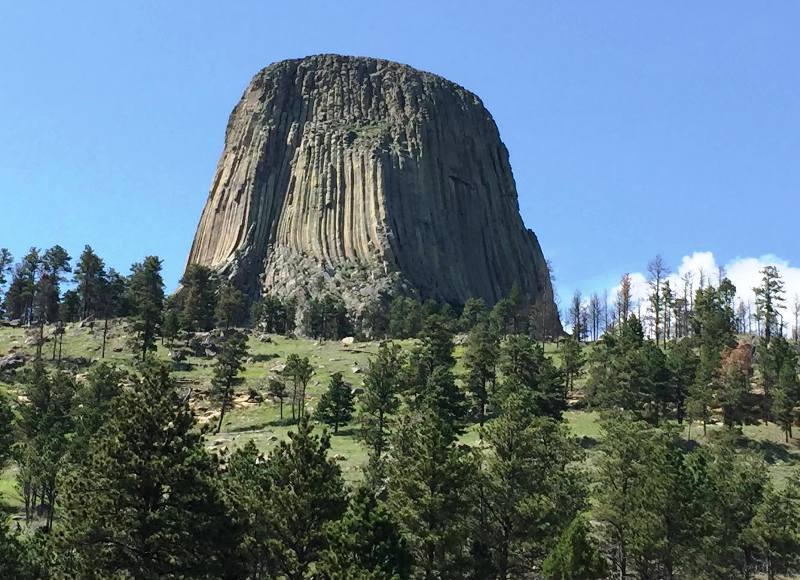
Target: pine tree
{"points": [[277, 390], [89, 273], [6, 259], [21, 295], [769, 300], [306, 494], [12, 556], [575, 556], [198, 299], [445, 400], [572, 362], [480, 359], [382, 386], [657, 271], [366, 543], [246, 483], [300, 371], [147, 502], [474, 312], [171, 324], [527, 370], [230, 310], [644, 499], [7, 437], [44, 427], [786, 396], [229, 363], [93, 403], [530, 489], [734, 387], [431, 482], [774, 531], [682, 363], [336, 404], [147, 298]]}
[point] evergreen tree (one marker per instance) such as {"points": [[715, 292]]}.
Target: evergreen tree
{"points": [[109, 302], [572, 361], [643, 499], [147, 299], [230, 310], [530, 489], [89, 274], [527, 370], [336, 404], [172, 324], [147, 502], [6, 259], [769, 300], [366, 543], [229, 363], [300, 371], [13, 562], [431, 482], [277, 390], [774, 531], [306, 494], [55, 265], [771, 359], [480, 359], [21, 295], [445, 400], [247, 483], [786, 396], [575, 555], [93, 404], [382, 385], [198, 298], [737, 484], [474, 312], [405, 317], [44, 427], [6, 431], [682, 364], [732, 393]]}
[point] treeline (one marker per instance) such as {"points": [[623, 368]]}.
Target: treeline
{"points": [[667, 310], [43, 288]]}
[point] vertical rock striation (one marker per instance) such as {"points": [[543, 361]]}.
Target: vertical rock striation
{"points": [[366, 177]]}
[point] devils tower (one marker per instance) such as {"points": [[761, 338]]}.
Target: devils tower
{"points": [[366, 178]]}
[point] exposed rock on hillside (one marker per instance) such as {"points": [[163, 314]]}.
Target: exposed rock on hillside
{"points": [[365, 177]]}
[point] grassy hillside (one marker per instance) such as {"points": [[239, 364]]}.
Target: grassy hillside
{"points": [[260, 422]]}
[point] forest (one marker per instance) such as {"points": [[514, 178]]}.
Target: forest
{"points": [[195, 435]]}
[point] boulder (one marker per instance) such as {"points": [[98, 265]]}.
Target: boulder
{"points": [[11, 361], [348, 341]]}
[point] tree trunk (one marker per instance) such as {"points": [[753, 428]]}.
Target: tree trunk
{"points": [[105, 333], [222, 410]]}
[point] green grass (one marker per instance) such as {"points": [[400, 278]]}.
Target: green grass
{"points": [[9, 494]]}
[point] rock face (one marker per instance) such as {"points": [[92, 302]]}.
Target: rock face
{"points": [[365, 177]]}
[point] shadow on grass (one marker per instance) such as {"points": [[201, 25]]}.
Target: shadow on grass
{"points": [[771, 452], [349, 431], [587, 442]]}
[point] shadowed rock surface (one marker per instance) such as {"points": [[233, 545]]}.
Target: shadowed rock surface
{"points": [[365, 177]]}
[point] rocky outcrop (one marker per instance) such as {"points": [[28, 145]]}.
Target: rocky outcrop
{"points": [[366, 177]]}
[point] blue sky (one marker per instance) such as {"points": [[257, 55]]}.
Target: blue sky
{"points": [[634, 128]]}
